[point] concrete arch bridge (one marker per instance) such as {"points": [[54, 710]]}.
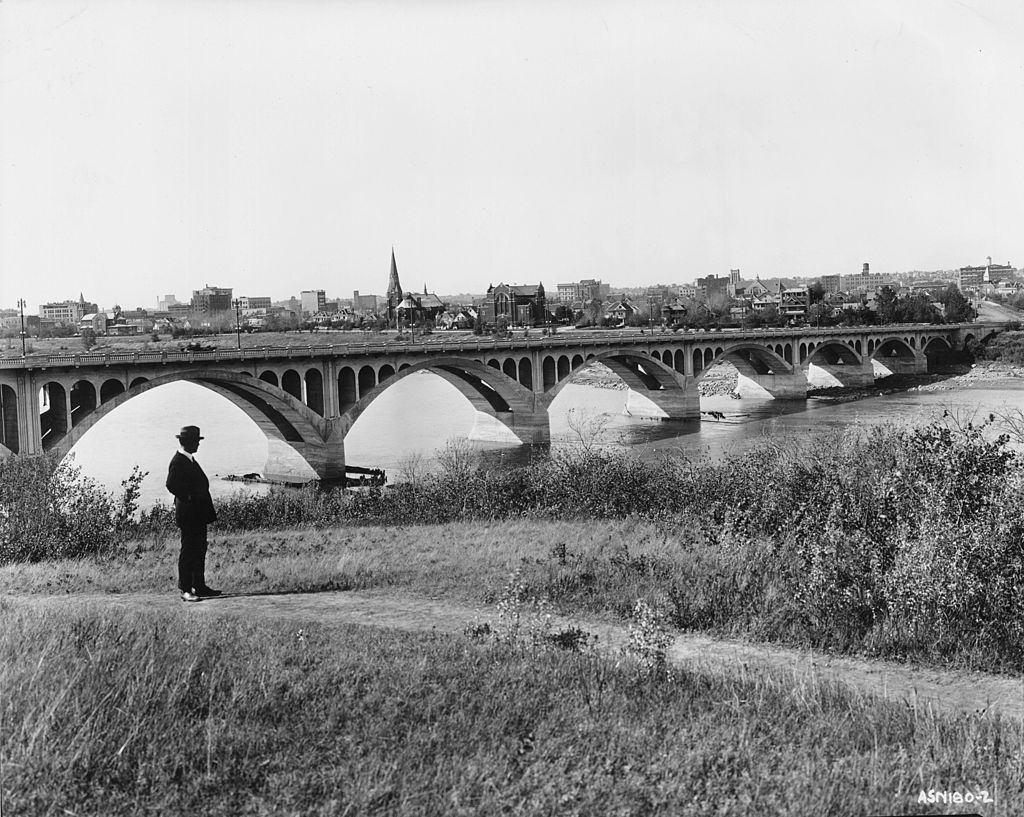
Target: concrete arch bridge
{"points": [[307, 398]]}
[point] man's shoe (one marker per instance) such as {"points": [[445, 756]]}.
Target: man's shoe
{"points": [[188, 595], [207, 592]]}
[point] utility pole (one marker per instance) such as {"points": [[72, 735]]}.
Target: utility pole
{"points": [[237, 303], [21, 306]]}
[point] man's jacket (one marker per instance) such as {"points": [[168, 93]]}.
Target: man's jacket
{"points": [[193, 505]]}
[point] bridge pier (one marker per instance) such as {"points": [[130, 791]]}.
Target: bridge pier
{"points": [[826, 375], [326, 461], [665, 404], [784, 386], [530, 428], [656, 391], [900, 364]]}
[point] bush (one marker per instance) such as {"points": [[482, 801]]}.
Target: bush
{"points": [[48, 510]]}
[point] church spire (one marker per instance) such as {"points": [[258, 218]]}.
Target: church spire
{"points": [[394, 294], [394, 285]]}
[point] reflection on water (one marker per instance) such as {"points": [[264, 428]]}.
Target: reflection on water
{"points": [[419, 414]]}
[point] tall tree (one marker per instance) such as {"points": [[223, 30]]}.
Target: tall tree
{"points": [[887, 306], [955, 307]]}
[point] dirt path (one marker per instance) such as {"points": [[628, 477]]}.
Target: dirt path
{"points": [[945, 690]]}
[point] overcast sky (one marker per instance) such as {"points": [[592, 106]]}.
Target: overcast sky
{"points": [[153, 147]]}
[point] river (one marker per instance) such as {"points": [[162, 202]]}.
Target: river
{"points": [[418, 415]]}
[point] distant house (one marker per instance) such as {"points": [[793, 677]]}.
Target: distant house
{"points": [[96, 321], [673, 311], [455, 319], [620, 312], [124, 329]]}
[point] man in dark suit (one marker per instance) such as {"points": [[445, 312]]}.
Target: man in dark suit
{"points": [[193, 511]]}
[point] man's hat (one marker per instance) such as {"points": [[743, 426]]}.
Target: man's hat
{"points": [[189, 432]]}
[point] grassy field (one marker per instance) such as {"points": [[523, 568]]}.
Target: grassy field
{"points": [[172, 715], [595, 567]]}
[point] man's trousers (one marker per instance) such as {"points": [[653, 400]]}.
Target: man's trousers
{"points": [[192, 559]]}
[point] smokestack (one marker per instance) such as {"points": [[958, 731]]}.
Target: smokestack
{"points": [[865, 272]]}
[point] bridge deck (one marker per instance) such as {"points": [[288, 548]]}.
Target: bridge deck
{"points": [[476, 344]]}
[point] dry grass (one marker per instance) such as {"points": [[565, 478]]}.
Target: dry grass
{"points": [[174, 715], [466, 561]]}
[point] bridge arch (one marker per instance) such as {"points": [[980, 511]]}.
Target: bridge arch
{"points": [[315, 390], [937, 346], [833, 353], [763, 369], [53, 420], [348, 393], [894, 355], [367, 379], [83, 401], [489, 389], [110, 389], [526, 373], [292, 383], [892, 347], [748, 358], [9, 430], [836, 363], [279, 415], [655, 389]]}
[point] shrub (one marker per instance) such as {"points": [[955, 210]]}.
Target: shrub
{"points": [[48, 510]]}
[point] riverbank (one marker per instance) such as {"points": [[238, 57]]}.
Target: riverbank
{"points": [[987, 373]]}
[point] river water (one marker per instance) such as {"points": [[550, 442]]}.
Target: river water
{"points": [[418, 415]]}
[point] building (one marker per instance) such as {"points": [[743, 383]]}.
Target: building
{"points": [[978, 277], [164, 304], [68, 313], [312, 301], [674, 311], [832, 283], [96, 321], [867, 281], [211, 300], [735, 282], [791, 302], [587, 289], [567, 293], [620, 312], [416, 308], [254, 302], [365, 303], [712, 287], [521, 305]]}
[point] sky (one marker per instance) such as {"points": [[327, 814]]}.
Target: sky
{"points": [[151, 148]]}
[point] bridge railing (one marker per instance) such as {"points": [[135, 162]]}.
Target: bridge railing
{"points": [[475, 344]]}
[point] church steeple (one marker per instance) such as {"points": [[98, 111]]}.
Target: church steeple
{"points": [[394, 294], [394, 285]]}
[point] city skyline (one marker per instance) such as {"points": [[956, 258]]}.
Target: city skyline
{"points": [[151, 150]]}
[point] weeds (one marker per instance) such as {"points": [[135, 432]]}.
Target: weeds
{"points": [[49, 510], [889, 540], [170, 714]]}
